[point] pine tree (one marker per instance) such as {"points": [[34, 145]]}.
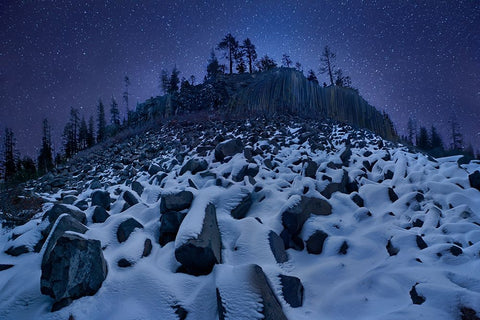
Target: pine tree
{"points": [[45, 157], [250, 52], [423, 140], [230, 46], [83, 135], [342, 80], [312, 77], [68, 140], [9, 165], [456, 135], [174, 81], [286, 61], [101, 122], [241, 67], [165, 82], [125, 93], [266, 63], [411, 130], [91, 132], [213, 67], [114, 115], [328, 63], [435, 139]]}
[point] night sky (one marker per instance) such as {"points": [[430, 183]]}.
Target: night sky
{"points": [[417, 58]]}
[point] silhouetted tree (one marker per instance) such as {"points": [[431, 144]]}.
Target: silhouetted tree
{"points": [[286, 61], [342, 80], [250, 52], [230, 47], [45, 157], [114, 114], [435, 139], [422, 139], [165, 81], [213, 67], [83, 134], [125, 93], [174, 81], [327, 63], [91, 132], [266, 63], [312, 77], [456, 135], [298, 66], [241, 67], [26, 169], [411, 130], [9, 166], [69, 140], [101, 121]]}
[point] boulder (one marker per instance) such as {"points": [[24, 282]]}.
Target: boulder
{"points": [[147, 248], [343, 186], [99, 215], [124, 263], [292, 241], [126, 228], [315, 242], [176, 201], [278, 248], [154, 169], [199, 255], [169, 224], [392, 251], [74, 268], [101, 198], [292, 290], [241, 210], [129, 198], [5, 266], [194, 166], [69, 199], [82, 205], [392, 195], [248, 170], [16, 251], [421, 243], [474, 180], [311, 169], [137, 187], [228, 148], [59, 209], [294, 217], [416, 298]]}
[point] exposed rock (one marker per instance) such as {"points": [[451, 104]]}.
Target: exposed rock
{"points": [[345, 156], [95, 184], [70, 199], [392, 195], [75, 268], [176, 201], [82, 205], [292, 241], [199, 255], [99, 215], [248, 170], [468, 314], [170, 223], [358, 200], [421, 243], [456, 251], [315, 242], [126, 228], [344, 248], [292, 290], [293, 218], [392, 251], [154, 169], [241, 210], [341, 186], [147, 248], [129, 198], [194, 166], [180, 312], [416, 298], [137, 187], [59, 209], [228, 148], [277, 247], [16, 251], [474, 180], [101, 198], [311, 169], [5, 266], [124, 263]]}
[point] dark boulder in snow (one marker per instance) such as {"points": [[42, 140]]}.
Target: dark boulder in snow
{"points": [[392, 251], [272, 309], [126, 228], [456, 251], [124, 263], [180, 312], [294, 217], [154, 169], [194, 166], [176, 201], [416, 298], [278, 248], [59, 209], [228, 148], [358, 200], [315, 242], [344, 248], [137, 187], [311, 169], [474, 180], [99, 215], [292, 241], [392, 195], [169, 224], [147, 248], [468, 314], [101, 198], [69, 199], [292, 290], [82, 204], [248, 170], [75, 268], [420, 243], [130, 198], [5, 266], [241, 210], [16, 251], [343, 186], [345, 156], [199, 255]]}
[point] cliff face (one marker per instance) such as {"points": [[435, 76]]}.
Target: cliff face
{"points": [[288, 91]]}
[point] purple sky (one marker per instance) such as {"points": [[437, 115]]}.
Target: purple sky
{"points": [[409, 59]]}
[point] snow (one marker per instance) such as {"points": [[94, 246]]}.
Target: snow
{"points": [[364, 283]]}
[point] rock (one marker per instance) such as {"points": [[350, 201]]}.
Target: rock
{"points": [[194, 166], [169, 224], [315, 242], [101, 198], [293, 218], [158, 178], [358, 200], [124, 263], [388, 175], [468, 314], [228, 148], [248, 170], [147, 248], [59, 209], [126, 228], [421, 243], [241, 210], [337, 186], [474, 180], [176, 201], [416, 298], [345, 156], [137, 187], [292, 241], [82, 205], [392, 195], [154, 169], [69, 199], [129, 198], [199, 255], [95, 184], [99, 215], [277, 247], [5, 266], [311, 169], [292, 290], [16, 251], [456, 251], [392, 251], [180, 312], [344, 248], [75, 268]]}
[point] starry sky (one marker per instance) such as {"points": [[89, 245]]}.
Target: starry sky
{"points": [[418, 59]]}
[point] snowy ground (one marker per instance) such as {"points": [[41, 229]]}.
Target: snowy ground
{"points": [[435, 202]]}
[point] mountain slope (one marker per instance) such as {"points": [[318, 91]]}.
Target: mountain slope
{"points": [[285, 218]]}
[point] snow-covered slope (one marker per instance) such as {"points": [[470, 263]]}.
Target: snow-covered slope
{"points": [[371, 230]]}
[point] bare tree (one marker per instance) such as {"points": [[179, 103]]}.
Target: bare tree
{"points": [[327, 63], [286, 61]]}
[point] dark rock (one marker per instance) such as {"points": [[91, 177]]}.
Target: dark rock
{"points": [[194, 166], [456, 251], [277, 247], [416, 298], [315, 242], [292, 241], [420, 243], [101, 198], [343, 249], [180, 312], [246, 170], [176, 201], [82, 205], [392, 195], [228, 148], [99, 215], [345, 156], [388, 175], [126, 228], [69, 199], [419, 197], [241, 210], [154, 169], [147, 248], [199, 255], [292, 290], [124, 263], [221, 309], [137, 187], [129, 198], [95, 184], [468, 314], [392, 251], [358, 200], [337, 186], [75, 268], [474, 180], [169, 224], [16, 251], [5, 266], [367, 153], [158, 178], [59, 209], [311, 169], [293, 218]]}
